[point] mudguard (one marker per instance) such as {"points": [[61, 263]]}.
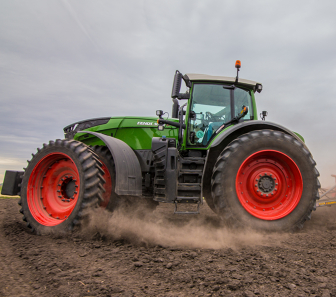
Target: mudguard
{"points": [[127, 167], [248, 126]]}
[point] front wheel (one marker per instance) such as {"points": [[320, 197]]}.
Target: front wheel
{"points": [[61, 182], [266, 180]]}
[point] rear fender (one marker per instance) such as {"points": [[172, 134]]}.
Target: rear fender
{"points": [[127, 167], [225, 137]]}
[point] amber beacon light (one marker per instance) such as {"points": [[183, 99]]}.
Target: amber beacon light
{"points": [[238, 64]]}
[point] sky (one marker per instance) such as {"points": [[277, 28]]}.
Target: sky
{"points": [[64, 61]]}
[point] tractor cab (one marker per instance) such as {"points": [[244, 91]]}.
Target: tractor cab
{"points": [[214, 103]]}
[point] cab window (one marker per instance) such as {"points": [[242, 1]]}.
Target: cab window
{"points": [[212, 105]]}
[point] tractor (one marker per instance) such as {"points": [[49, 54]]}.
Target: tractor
{"points": [[252, 173]]}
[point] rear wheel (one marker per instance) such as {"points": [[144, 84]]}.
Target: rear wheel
{"points": [[267, 180], [61, 182]]}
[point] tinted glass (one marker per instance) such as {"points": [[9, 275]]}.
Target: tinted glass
{"points": [[211, 105]]}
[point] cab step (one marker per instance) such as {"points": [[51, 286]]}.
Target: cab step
{"points": [[187, 200]]}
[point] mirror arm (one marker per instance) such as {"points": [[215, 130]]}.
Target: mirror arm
{"points": [[174, 124]]}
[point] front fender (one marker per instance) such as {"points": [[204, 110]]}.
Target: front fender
{"points": [[127, 167]]}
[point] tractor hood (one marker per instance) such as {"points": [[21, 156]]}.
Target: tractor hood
{"points": [[129, 129]]}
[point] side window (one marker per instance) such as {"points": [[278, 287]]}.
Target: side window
{"points": [[211, 108], [241, 98]]}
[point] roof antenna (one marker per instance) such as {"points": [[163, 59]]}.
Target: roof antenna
{"points": [[238, 65]]}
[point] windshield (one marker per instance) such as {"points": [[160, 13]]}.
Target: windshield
{"points": [[213, 105]]}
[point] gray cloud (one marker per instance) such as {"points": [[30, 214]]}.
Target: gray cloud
{"points": [[63, 61]]}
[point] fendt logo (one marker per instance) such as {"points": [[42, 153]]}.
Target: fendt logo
{"points": [[147, 123]]}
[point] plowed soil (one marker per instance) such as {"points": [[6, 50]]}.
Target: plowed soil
{"points": [[162, 254]]}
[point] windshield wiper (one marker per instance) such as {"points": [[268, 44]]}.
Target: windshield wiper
{"points": [[236, 119]]}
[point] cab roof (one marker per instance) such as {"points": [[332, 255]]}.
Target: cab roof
{"points": [[193, 77]]}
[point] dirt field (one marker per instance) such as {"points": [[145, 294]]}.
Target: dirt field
{"points": [[166, 255]]}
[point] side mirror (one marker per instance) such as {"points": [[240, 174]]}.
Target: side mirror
{"points": [[175, 109], [176, 84], [263, 115]]}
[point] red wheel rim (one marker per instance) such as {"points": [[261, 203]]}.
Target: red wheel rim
{"points": [[269, 185], [53, 187], [107, 187]]}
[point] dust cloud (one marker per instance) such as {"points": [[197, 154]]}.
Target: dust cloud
{"points": [[165, 229]]}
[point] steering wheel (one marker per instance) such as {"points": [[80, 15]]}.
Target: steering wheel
{"points": [[213, 118]]}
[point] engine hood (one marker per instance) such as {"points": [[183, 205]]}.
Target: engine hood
{"points": [[107, 123]]}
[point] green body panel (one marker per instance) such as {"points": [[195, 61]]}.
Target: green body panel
{"points": [[255, 113], [137, 132], [300, 136]]}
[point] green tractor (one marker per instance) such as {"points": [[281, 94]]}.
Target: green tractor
{"points": [[252, 173]]}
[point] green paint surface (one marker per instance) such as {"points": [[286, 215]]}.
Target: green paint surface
{"points": [[137, 132]]}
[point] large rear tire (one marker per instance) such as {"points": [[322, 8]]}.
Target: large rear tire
{"points": [[61, 182], [266, 180]]}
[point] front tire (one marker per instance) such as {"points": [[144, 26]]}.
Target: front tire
{"points": [[266, 180], [61, 182]]}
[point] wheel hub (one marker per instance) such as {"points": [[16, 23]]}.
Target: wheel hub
{"points": [[67, 188], [266, 184]]}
